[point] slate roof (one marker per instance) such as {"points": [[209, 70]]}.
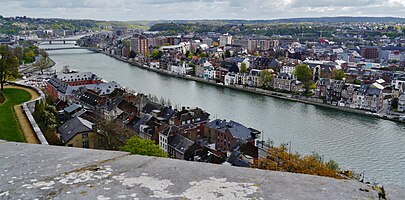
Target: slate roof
{"points": [[142, 121], [239, 131], [167, 113], [81, 76], [72, 108], [236, 129], [180, 143], [73, 127], [149, 107], [169, 130], [90, 98]]}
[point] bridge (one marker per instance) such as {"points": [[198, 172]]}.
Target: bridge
{"points": [[67, 48], [64, 40]]}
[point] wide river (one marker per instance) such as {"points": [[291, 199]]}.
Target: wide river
{"points": [[356, 142]]}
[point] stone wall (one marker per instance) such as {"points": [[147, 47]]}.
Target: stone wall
{"points": [[29, 107]]}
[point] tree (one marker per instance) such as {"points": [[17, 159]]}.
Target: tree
{"points": [[338, 74], [115, 134], [132, 54], [43, 63], [304, 74], [29, 57], [279, 159], [265, 77], [243, 68], [156, 54], [45, 116], [8, 65], [227, 54], [139, 146]]}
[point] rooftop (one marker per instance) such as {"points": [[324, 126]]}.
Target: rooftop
{"points": [[49, 172]]}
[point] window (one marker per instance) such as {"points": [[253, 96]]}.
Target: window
{"points": [[85, 144], [85, 135]]}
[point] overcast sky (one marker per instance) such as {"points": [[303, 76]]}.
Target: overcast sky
{"points": [[199, 9]]}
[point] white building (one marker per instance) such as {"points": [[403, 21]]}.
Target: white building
{"points": [[224, 40], [287, 69]]}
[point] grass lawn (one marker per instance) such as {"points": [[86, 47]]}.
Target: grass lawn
{"points": [[10, 129]]}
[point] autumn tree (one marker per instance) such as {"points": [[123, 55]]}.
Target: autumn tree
{"points": [[279, 159], [304, 74], [114, 134], [338, 74], [8, 65], [139, 146]]}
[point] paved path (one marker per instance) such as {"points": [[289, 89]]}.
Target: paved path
{"points": [[28, 132]]}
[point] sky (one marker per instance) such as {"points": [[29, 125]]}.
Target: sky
{"points": [[132, 10]]}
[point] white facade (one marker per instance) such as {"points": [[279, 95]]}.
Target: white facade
{"points": [[230, 79], [224, 40], [397, 84], [288, 70]]}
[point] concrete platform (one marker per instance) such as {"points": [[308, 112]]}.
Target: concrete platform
{"points": [[30, 171]]}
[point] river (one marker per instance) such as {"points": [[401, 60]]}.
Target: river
{"points": [[356, 142]]}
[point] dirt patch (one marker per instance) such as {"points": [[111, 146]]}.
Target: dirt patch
{"points": [[26, 127]]}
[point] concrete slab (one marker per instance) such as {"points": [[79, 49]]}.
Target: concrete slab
{"points": [[47, 172]]}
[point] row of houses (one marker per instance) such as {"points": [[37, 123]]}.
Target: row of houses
{"points": [[83, 101]]}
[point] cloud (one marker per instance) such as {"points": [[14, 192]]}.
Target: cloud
{"points": [[332, 3], [199, 9]]}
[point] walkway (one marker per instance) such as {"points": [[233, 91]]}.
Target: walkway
{"points": [[29, 133]]}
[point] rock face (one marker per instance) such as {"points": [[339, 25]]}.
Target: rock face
{"points": [[49, 172]]}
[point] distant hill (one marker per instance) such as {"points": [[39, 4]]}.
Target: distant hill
{"points": [[344, 19]]}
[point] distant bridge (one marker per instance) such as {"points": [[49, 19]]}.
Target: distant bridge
{"points": [[64, 40], [66, 48]]}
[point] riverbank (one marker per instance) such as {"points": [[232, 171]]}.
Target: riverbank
{"points": [[280, 95]]}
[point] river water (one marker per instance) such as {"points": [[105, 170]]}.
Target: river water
{"points": [[356, 142]]}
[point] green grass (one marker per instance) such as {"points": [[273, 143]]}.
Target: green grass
{"points": [[10, 129]]}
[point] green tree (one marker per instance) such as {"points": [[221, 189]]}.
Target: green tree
{"points": [[29, 56], [227, 54], [8, 65], [139, 146], [338, 74], [156, 54], [243, 68], [304, 74], [45, 116], [265, 77]]}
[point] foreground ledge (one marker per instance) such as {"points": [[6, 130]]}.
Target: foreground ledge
{"points": [[29, 171]]}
